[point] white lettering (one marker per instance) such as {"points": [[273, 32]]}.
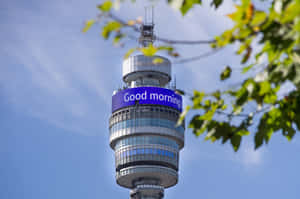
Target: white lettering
{"points": [[144, 95], [161, 97], [134, 97], [153, 96], [137, 96], [126, 98]]}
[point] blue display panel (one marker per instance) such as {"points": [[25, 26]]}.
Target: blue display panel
{"points": [[146, 95]]}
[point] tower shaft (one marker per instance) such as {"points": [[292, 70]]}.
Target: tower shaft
{"points": [[143, 125]]}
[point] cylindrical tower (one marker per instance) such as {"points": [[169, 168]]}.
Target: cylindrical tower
{"points": [[143, 131]]}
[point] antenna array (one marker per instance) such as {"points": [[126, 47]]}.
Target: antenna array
{"points": [[147, 33]]}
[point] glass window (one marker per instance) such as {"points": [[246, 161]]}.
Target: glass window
{"points": [[172, 155], [165, 153], [147, 151], [159, 151], [154, 151], [138, 140]]}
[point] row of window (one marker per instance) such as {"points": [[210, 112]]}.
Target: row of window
{"points": [[145, 82], [170, 172], [137, 140], [145, 151], [146, 122], [144, 111]]}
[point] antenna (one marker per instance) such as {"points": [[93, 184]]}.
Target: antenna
{"points": [[147, 36], [149, 15]]}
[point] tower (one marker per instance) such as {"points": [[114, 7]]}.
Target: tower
{"points": [[143, 131]]}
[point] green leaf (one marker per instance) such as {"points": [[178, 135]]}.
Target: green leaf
{"points": [[226, 73], [157, 61], [290, 134], [210, 133], [258, 140], [88, 25], [179, 92], [197, 99], [265, 87], [117, 38], [129, 52], [235, 142], [216, 3], [243, 132], [166, 48], [106, 6], [270, 99], [237, 110], [110, 27], [296, 58], [182, 115], [247, 55], [224, 107], [187, 5], [149, 50], [247, 68], [217, 94], [209, 114], [259, 18], [291, 11]]}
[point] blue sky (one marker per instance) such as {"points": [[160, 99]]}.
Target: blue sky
{"points": [[55, 91]]}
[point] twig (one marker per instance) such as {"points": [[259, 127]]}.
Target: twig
{"points": [[190, 59], [231, 114], [186, 42]]}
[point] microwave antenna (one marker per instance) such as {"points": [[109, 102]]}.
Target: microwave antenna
{"points": [[147, 28]]}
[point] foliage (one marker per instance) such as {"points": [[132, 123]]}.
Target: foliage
{"points": [[276, 30]]}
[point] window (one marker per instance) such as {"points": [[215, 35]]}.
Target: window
{"points": [[141, 140], [134, 152], [159, 151], [148, 151], [154, 151]]}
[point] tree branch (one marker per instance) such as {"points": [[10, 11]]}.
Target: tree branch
{"points": [[184, 42], [231, 114], [191, 59], [164, 40]]}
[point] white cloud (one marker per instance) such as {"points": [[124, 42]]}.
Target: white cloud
{"points": [[197, 150], [251, 157], [53, 71]]}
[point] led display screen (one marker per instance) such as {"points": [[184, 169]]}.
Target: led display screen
{"points": [[146, 95]]}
